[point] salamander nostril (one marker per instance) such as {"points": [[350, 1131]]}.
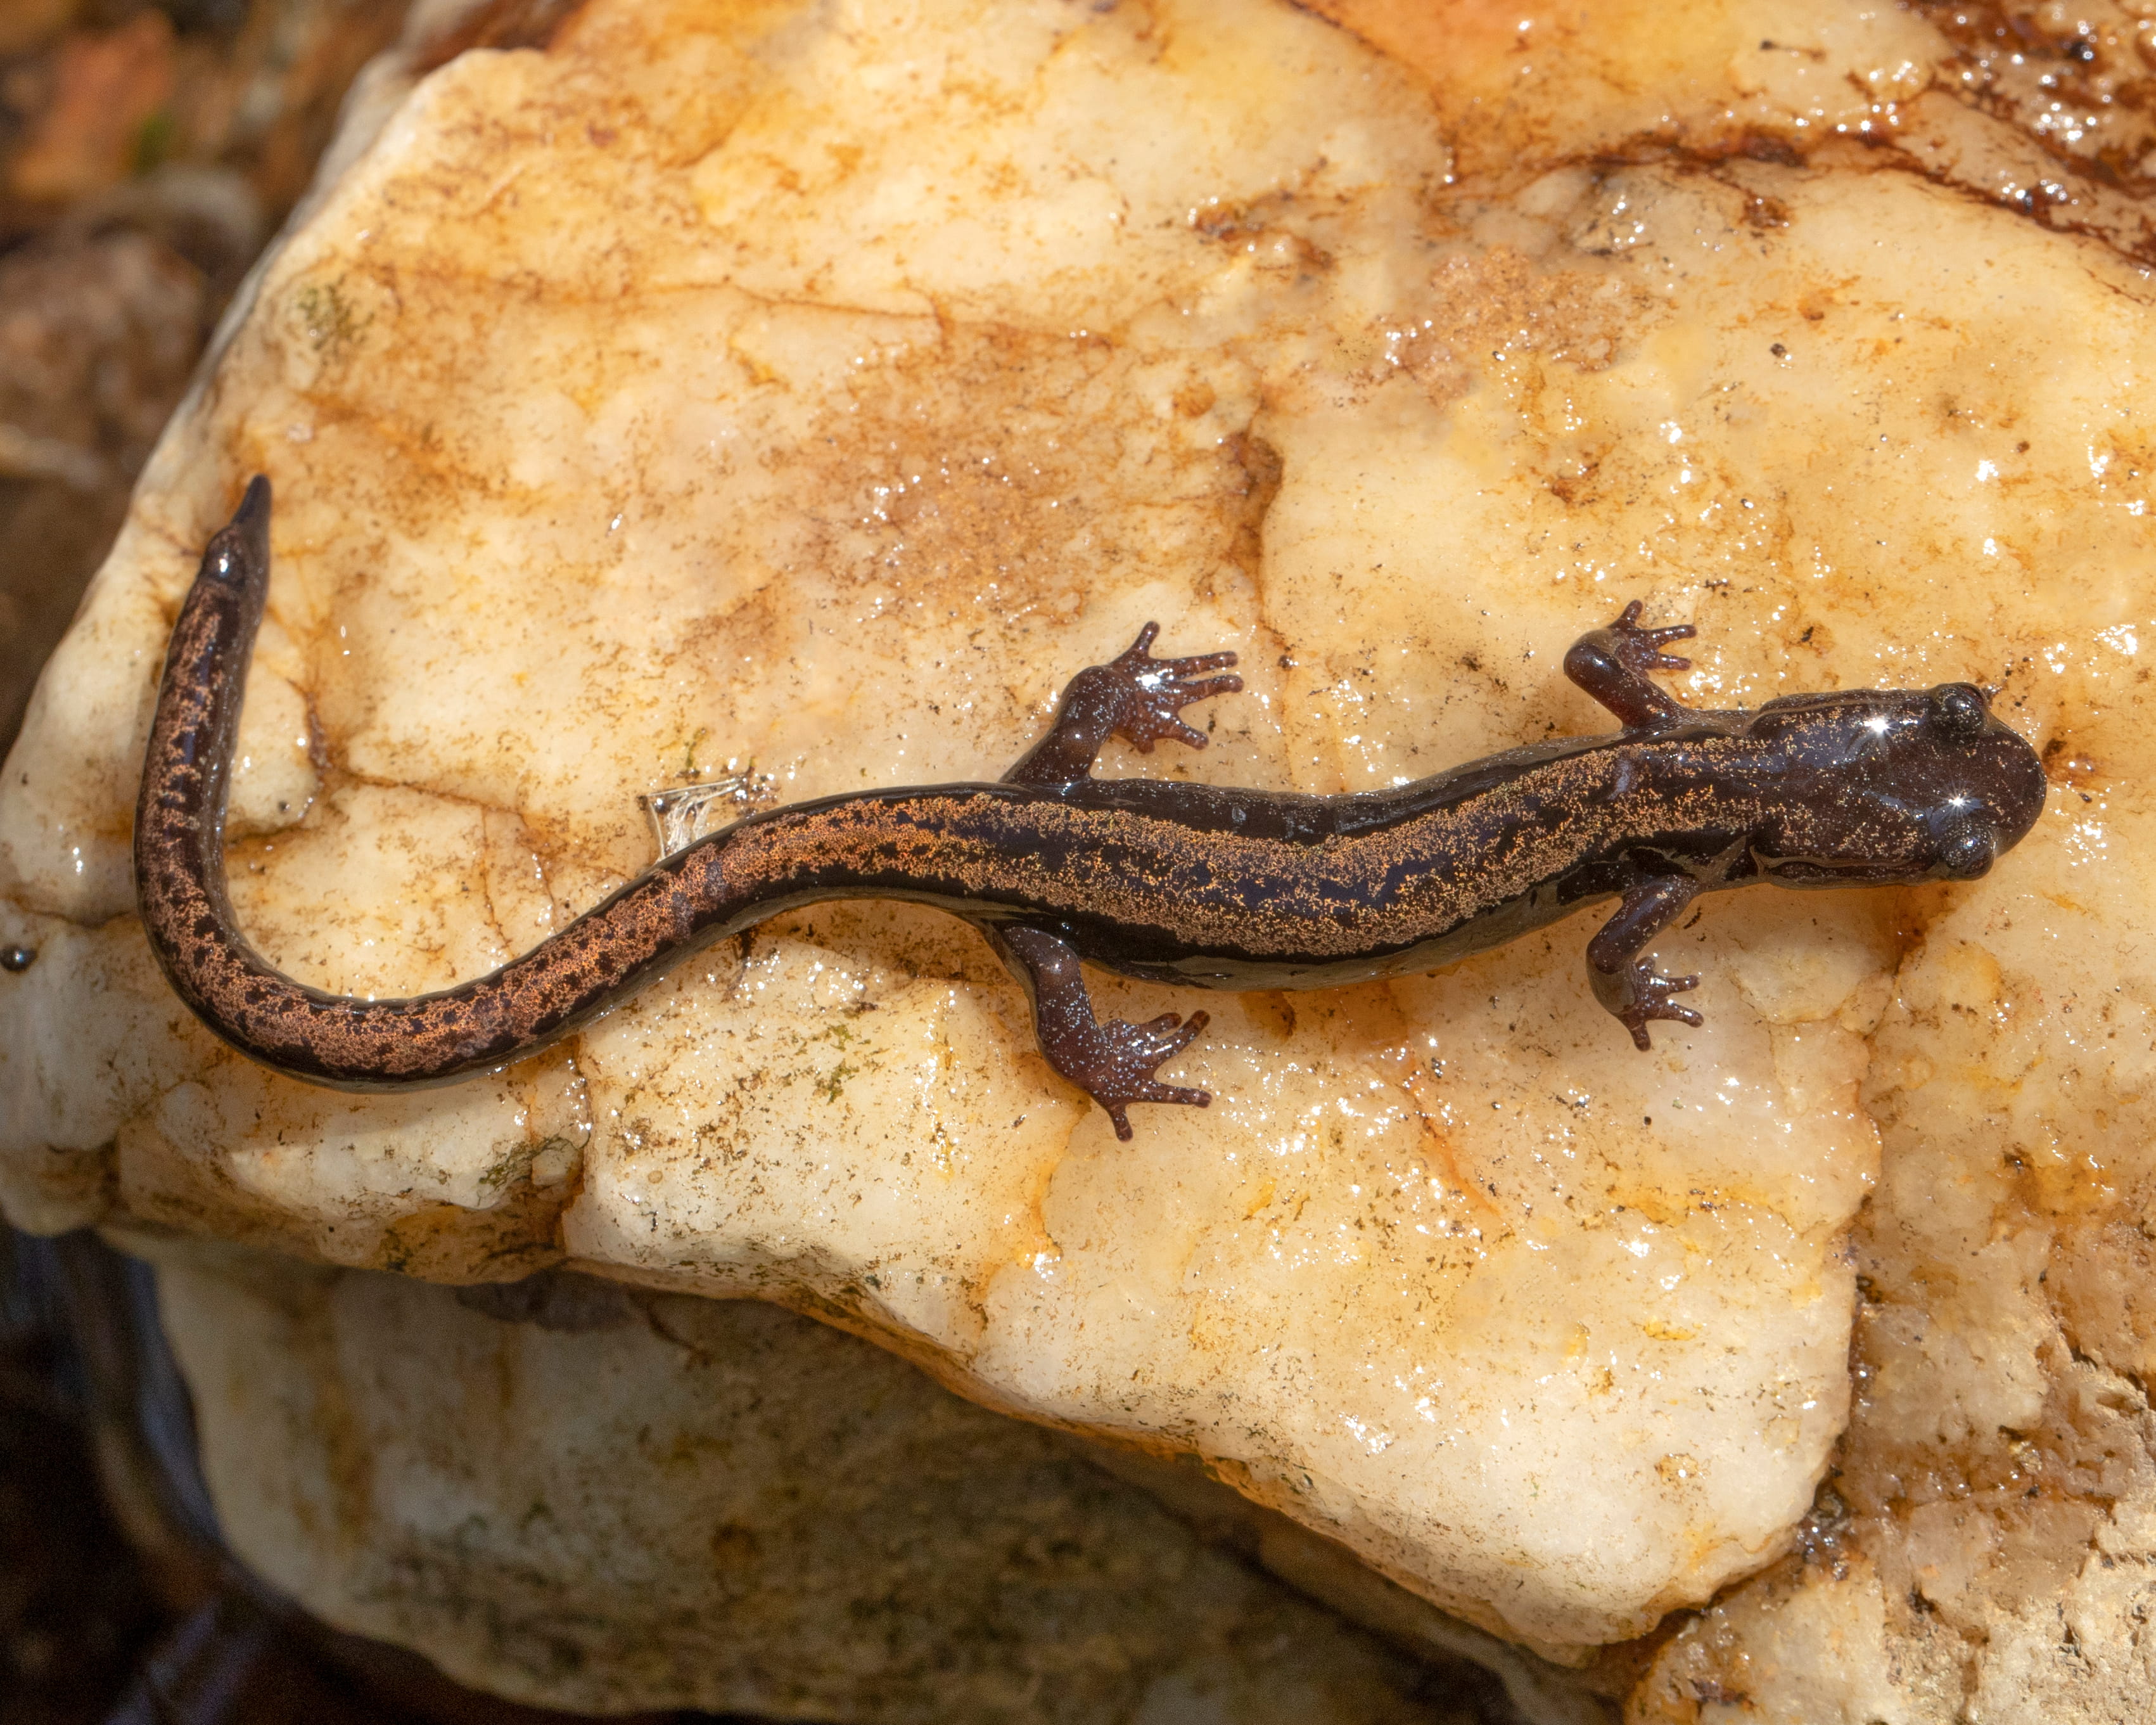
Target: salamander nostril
{"points": [[1958, 709]]}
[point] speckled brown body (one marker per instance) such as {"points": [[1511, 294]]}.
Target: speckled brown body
{"points": [[1199, 885]]}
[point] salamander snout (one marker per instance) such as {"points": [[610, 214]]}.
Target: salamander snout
{"points": [[1988, 784]]}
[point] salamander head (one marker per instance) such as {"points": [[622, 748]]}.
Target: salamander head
{"points": [[1892, 787]]}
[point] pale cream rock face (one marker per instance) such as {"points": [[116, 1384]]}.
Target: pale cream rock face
{"points": [[815, 390], [714, 1505]]}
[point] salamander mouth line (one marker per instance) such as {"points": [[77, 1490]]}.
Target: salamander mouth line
{"points": [[1204, 885]]}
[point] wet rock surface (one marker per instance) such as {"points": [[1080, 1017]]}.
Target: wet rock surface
{"points": [[475, 1474]]}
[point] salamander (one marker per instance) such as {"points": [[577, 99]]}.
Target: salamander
{"points": [[1190, 883]]}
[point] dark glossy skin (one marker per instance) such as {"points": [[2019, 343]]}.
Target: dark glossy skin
{"points": [[1178, 883]]}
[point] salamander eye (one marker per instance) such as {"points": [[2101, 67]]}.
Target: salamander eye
{"points": [[1966, 849], [1958, 711]]}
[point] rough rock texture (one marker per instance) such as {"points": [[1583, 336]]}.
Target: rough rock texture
{"points": [[472, 1473], [813, 388]]}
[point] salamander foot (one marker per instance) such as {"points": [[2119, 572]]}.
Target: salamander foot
{"points": [[1135, 697], [1118, 1059], [1640, 650], [1157, 690], [1612, 665], [1649, 998], [1113, 1063]]}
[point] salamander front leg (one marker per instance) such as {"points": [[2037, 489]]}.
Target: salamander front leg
{"points": [[1612, 665], [1112, 1062], [1133, 696], [1624, 982]]}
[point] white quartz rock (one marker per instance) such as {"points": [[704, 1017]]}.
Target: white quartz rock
{"points": [[586, 1499], [816, 389]]}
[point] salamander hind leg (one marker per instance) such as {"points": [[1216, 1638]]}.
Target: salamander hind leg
{"points": [[1612, 665], [1135, 697], [1112, 1062], [1628, 986]]}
